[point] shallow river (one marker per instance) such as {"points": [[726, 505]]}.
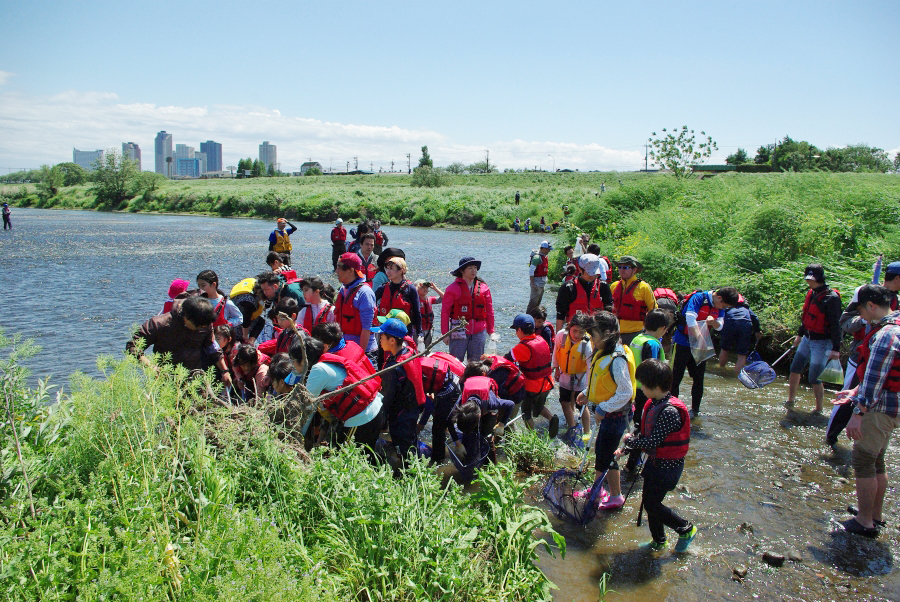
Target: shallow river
{"points": [[77, 282]]}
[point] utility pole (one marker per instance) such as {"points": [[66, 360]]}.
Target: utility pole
{"points": [[348, 167], [487, 161], [372, 166], [408, 164], [392, 166], [646, 156]]}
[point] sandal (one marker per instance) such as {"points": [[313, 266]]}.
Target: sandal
{"points": [[853, 526]]}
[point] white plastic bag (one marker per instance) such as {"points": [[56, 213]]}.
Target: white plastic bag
{"points": [[491, 347], [701, 346], [833, 373]]}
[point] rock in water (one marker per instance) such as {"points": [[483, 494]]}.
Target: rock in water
{"points": [[773, 559], [795, 556], [740, 571]]}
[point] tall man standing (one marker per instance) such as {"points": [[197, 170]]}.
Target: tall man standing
{"points": [[280, 239], [876, 407], [354, 306], [632, 298], [538, 266]]}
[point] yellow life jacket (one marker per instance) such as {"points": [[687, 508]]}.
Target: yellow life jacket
{"points": [[245, 287], [282, 241], [568, 357], [601, 385]]}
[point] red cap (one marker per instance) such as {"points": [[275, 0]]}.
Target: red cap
{"points": [[352, 260]]}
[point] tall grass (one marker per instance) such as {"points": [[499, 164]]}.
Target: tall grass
{"points": [[144, 492]]}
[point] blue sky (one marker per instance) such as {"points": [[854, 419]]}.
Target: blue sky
{"points": [[578, 85]]}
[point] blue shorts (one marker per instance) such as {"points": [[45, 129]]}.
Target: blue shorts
{"points": [[813, 353], [737, 336]]}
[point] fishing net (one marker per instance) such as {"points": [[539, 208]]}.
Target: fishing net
{"points": [[572, 437], [467, 469], [572, 496], [756, 375]]}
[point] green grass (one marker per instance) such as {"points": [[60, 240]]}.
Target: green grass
{"points": [[527, 450], [142, 491]]}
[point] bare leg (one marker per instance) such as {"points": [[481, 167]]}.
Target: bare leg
{"points": [[819, 392], [568, 408], [723, 358], [585, 420], [793, 384], [614, 482], [741, 361]]}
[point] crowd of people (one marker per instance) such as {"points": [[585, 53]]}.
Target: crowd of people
{"points": [[618, 354]]}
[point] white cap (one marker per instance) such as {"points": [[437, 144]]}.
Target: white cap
{"points": [[590, 263], [546, 245], [338, 222]]}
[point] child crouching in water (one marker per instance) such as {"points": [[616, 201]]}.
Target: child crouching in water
{"points": [[665, 434]]}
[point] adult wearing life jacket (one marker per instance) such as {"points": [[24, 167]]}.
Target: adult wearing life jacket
{"points": [[359, 412], [876, 404], [468, 297], [280, 239], [819, 336], [402, 388], [440, 380], [367, 256], [226, 311], [381, 239], [538, 268], [587, 294], [338, 241], [399, 293], [7, 219], [611, 385], [632, 298], [426, 306], [380, 275], [665, 436], [699, 306], [354, 305], [533, 356]]}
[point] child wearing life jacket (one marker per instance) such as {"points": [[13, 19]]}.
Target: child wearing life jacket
{"points": [[319, 306], [647, 346], [426, 306], [479, 415], [226, 311], [178, 286], [252, 370], [440, 379], [570, 364], [542, 327], [286, 318], [533, 356], [665, 436], [404, 394], [569, 270], [611, 385]]}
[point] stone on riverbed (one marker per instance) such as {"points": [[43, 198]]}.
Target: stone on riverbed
{"points": [[773, 559]]}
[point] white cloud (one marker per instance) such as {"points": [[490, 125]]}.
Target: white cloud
{"points": [[44, 130], [4, 76]]}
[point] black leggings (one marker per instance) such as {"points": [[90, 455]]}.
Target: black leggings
{"points": [[685, 359], [657, 483]]}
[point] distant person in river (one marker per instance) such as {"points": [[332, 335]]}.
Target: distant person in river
{"points": [[818, 337], [697, 308], [7, 219], [664, 436], [632, 298], [538, 268], [517, 225], [586, 294], [468, 297], [338, 241], [381, 239], [279, 239]]}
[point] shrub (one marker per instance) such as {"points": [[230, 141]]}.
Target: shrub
{"points": [[429, 177]]}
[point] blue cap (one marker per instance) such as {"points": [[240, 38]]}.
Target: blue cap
{"points": [[522, 320], [293, 379], [392, 327], [892, 268]]}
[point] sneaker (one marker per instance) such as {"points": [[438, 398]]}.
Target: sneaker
{"points": [[789, 404], [654, 546], [694, 413], [582, 493], [853, 526], [613, 503], [854, 511], [553, 429], [685, 540]]}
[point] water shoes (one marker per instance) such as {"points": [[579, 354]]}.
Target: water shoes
{"points": [[853, 526], [613, 503], [685, 540], [553, 429], [854, 511]]}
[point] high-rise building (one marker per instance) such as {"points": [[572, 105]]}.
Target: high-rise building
{"points": [[130, 150], [188, 167], [201, 157], [86, 158], [268, 154], [163, 148], [213, 152], [183, 151]]}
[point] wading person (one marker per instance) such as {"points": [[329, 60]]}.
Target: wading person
{"points": [[876, 404], [570, 364], [665, 436], [611, 385], [468, 297], [440, 381], [538, 267], [367, 256], [381, 239], [819, 336], [740, 330], [354, 306], [699, 306], [399, 293], [587, 293], [280, 238], [632, 298], [7, 218], [533, 356], [338, 241]]}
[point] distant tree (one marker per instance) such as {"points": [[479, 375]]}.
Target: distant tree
{"points": [[456, 168], [738, 158], [795, 155], [679, 152], [481, 167], [115, 179], [51, 180], [313, 171], [73, 174], [764, 154], [256, 168], [429, 177], [150, 180], [860, 158], [425, 159], [897, 162], [271, 170]]}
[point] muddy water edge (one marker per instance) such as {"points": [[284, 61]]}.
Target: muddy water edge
{"points": [[756, 479]]}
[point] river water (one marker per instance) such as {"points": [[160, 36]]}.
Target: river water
{"points": [[78, 282]]}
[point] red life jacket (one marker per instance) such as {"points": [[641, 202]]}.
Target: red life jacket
{"points": [[348, 318], [396, 301], [665, 293], [706, 310], [675, 445], [814, 318], [541, 270], [338, 234], [538, 365], [369, 269], [220, 313], [892, 383], [284, 341], [413, 372], [309, 321], [426, 309], [350, 403], [548, 333], [514, 382], [479, 386], [456, 366], [472, 307], [608, 267], [625, 305], [379, 238], [434, 373], [352, 352], [290, 276], [584, 303]]}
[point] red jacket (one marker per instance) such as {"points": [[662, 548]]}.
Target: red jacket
{"points": [[675, 445], [477, 306]]}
